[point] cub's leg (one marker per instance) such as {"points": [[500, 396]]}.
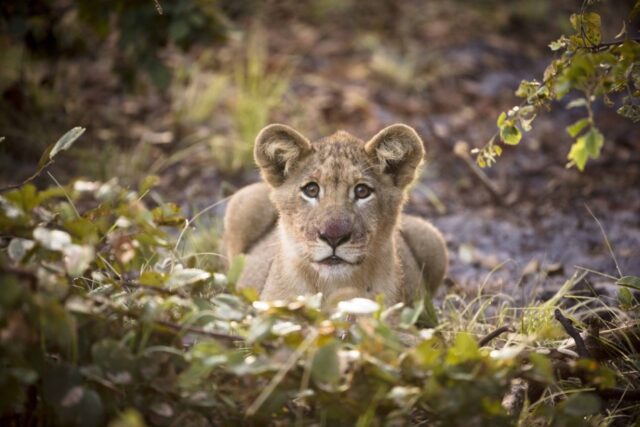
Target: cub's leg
{"points": [[424, 244], [249, 217]]}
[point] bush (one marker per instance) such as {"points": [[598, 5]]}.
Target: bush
{"points": [[104, 320]]}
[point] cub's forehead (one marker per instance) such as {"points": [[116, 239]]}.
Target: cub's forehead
{"points": [[340, 154]]}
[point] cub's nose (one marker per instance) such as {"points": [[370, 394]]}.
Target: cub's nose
{"points": [[336, 232]]}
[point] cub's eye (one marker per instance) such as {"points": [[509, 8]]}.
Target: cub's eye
{"points": [[311, 190], [362, 191]]}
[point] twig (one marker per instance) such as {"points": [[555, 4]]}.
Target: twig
{"points": [[158, 7], [33, 281], [157, 289], [604, 46], [165, 323], [613, 343], [491, 335], [581, 349], [461, 149], [28, 180], [619, 394]]}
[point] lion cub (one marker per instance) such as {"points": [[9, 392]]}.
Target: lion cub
{"points": [[328, 219]]}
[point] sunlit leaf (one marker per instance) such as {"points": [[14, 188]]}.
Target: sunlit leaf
{"points": [[77, 259], [464, 348], [510, 134], [577, 127], [152, 278], [186, 276], [358, 306], [128, 418], [66, 141], [587, 146], [54, 240], [19, 247], [525, 122]]}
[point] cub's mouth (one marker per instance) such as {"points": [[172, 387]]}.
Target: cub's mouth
{"points": [[333, 260]]}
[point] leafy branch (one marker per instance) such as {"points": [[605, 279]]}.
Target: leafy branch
{"points": [[64, 143], [596, 69]]}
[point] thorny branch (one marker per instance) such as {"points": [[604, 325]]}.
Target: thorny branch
{"points": [[494, 334], [581, 349]]}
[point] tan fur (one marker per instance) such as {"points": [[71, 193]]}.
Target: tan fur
{"points": [[278, 229]]}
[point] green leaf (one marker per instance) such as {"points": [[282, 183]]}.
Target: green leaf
{"points": [[464, 348], [235, 270], [428, 316], [128, 418], [66, 141], [581, 405], [25, 197], [635, 11], [593, 142], [587, 26], [527, 88], [629, 282], [542, 368], [626, 298], [578, 154], [151, 278], [501, 118], [10, 291], [409, 315], [526, 122], [558, 44], [587, 146], [577, 127], [510, 134], [325, 368], [260, 329]]}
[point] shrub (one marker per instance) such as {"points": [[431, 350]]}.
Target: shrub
{"points": [[102, 319]]}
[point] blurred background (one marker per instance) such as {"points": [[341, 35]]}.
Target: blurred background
{"points": [[179, 89]]}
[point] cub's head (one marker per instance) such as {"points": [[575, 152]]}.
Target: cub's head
{"points": [[338, 198]]}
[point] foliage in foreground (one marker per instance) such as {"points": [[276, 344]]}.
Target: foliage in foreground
{"points": [[103, 319], [595, 69]]}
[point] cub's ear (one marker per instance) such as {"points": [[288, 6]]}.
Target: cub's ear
{"points": [[398, 151], [278, 148]]}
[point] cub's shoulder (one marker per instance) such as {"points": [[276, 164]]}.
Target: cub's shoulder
{"points": [[250, 216]]}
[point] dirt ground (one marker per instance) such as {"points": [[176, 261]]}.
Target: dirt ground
{"points": [[460, 72]]}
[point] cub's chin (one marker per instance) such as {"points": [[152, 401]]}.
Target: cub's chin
{"points": [[334, 268]]}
